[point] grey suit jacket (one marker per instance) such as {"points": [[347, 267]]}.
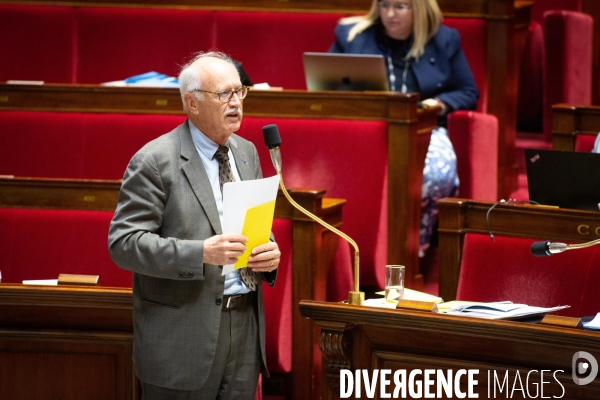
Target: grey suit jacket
{"points": [[165, 211]]}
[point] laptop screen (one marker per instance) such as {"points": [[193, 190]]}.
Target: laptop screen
{"points": [[353, 72], [566, 179]]}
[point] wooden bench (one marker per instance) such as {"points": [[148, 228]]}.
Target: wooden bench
{"points": [[53, 226], [493, 34], [398, 130], [475, 267]]}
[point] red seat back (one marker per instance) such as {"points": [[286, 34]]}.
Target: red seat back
{"points": [[568, 71], [332, 154], [270, 44], [473, 33], [474, 136], [505, 269], [116, 43], [36, 43], [41, 244]]}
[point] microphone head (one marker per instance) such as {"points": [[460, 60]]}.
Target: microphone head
{"points": [[271, 136], [541, 249]]}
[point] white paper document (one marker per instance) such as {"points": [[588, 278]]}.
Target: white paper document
{"points": [[248, 209], [499, 310]]}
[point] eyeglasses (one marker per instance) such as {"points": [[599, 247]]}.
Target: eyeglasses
{"points": [[398, 7], [225, 97]]}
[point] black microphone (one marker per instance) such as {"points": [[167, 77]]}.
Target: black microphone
{"points": [[273, 141], [547, 248]]}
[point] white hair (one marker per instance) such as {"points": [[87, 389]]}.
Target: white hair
{"points": [[189, 75]]}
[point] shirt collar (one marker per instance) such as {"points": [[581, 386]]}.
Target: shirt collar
{"points": [[203, 143]]}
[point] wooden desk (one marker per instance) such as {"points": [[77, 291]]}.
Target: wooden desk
{"points": [[570, 120], [354, 337], [66, 342], [459, 217]]}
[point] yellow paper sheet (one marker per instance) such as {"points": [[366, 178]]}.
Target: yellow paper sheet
{"points": [[257, 228]]}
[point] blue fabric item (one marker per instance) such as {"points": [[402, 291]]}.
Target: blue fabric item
{"points": [[442, 71], [440, 180], [596, 148], [153, 79]]}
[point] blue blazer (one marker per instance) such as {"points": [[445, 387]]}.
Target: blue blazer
{"points": [[442, 71]]}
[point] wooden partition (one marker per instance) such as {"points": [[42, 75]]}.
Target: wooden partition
{"points": [[569, 121], [314, 249], [374, 339], [409, 130], [459, 217]]}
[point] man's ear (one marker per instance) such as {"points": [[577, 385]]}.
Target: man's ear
{"points": [[191, 102]]}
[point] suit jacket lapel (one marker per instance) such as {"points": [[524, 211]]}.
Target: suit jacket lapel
{"points": [[196, 175]]}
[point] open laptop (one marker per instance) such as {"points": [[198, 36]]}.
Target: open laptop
{"points": [[565, 179], [354, 72]]}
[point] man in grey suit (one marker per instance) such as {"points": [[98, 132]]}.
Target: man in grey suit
{"points": [[197, 334]]}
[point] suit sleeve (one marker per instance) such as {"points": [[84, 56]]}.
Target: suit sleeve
{"points": [[134, 241], [462, 92]]}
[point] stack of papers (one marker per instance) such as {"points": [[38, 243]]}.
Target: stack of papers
{"points": [[498, 310]]}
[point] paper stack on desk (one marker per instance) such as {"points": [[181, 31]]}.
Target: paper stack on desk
{"points": [[498, 310]]}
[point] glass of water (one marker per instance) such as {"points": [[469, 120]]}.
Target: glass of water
{"points": [[394, 283]]}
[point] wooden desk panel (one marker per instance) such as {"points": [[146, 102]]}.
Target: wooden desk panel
{"points": [[354, 337], [66, 342]]}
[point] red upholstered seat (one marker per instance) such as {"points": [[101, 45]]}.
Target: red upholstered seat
{"points": [[36, 43], [116, 43], [342, 164], [568, 76], [270, 44], [474, 136], [473, 32], [505, 269], [41, 244]]}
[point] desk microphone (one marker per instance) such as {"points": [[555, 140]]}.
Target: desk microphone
{"points": [[273, 142], [547, 248]]}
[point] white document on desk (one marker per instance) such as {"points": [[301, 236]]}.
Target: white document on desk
{"points": [[243, 201]]}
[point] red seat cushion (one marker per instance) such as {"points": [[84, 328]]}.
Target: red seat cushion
{"points": [[41, 244], [473, 33], [116, 43], [270, 44], [37, 43], [505, 269], [331, 154]]}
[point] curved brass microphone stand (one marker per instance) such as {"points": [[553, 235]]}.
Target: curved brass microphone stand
{"points": [[355, 297]]}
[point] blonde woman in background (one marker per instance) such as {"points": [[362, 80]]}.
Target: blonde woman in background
{"points": [[425, 57]]}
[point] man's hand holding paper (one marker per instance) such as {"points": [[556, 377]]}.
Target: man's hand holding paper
{"points": [[248, 209]]}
